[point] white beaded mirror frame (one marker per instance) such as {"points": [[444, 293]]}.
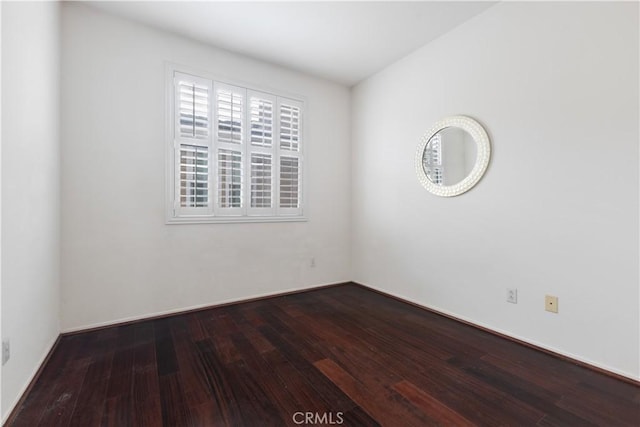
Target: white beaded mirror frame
{"points": [[483, 149]]}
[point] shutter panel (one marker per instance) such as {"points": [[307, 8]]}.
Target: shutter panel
{"points": [[192, 145], [261, 154], [289, 126], [289, 182], [230, 137], [261, 122], [289, 157], [229, 179], [230, 110], [261, 167], [193, 109], [194, 176]]}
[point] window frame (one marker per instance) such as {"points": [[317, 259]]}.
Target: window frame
{"points": [[174, 214]]}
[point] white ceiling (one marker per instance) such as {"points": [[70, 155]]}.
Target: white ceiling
{"points": [[340, 41]]}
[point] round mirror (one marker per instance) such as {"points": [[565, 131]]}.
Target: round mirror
{"points": [[452, 156], [449, 156]]}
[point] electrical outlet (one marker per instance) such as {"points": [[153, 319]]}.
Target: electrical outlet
{"points": [[551, 303], [6, 351], [512, 295], [312, 263]]}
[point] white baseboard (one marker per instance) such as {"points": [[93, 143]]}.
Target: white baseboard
{"points": [[7, 411], [194, 307], [508, 334]]}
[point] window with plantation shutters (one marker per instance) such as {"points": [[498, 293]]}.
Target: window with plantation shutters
{"points": [[236, 153]]}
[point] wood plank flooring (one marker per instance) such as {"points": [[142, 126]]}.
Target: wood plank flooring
{"points": [[340, 355]]}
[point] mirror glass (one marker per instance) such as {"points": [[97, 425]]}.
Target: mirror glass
{"points": [[449, 156]]}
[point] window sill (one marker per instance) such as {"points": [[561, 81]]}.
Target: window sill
{"points": [[233, 220]]}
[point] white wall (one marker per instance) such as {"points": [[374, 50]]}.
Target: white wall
{"points": [[119, 259], [1, 411], [30, 190], [556, 85]]}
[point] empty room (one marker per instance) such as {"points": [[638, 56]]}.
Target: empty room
{"points": [[320, 213]]}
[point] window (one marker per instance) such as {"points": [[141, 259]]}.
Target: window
{"points": [[235, 153]]}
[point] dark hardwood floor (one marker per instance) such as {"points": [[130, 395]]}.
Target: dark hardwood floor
{"points": [[336, 355]]}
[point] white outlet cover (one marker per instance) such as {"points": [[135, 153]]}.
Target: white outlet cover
{"points": [[512, 296]]}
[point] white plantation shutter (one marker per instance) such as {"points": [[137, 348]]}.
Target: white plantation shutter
{"points": [[289, 182], [230, 144], [290, 157], [261, 172], [192, 145], [289, 125], [236, 153], [261, 153], [261, 120], [194, 176], [230, 110], [229, 179], [193, 109]]}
